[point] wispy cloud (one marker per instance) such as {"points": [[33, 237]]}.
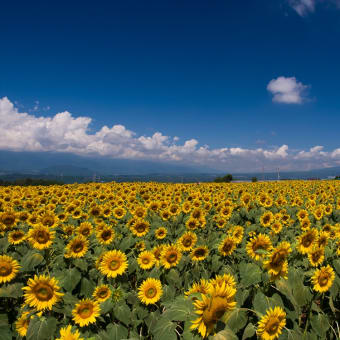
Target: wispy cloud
{"points": [[20, 131], [305, 7], [287, 90]]}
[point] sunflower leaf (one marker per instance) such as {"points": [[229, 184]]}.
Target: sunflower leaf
{"points": [[41, 328], [12, 291]]}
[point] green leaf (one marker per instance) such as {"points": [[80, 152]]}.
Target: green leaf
{"points": [[164, 329], [122, 313], [86, 287], [81, 264], [14, 290], [226, 334], [106, 306], [261, 303], [41, 328], [117, 332], [236, 319], [173, 278], [179, 310], [31, 260], [336, 265], [250, 274], [320, 324], [70, 279], [6, 333], [249, 331]]}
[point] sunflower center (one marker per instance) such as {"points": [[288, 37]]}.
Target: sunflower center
{"points": [[272, 326], [77, 247], [227, 247], [307, 241], [323, 279], [5, 269], [278, 259], [17, 236], [43, 292], [199, 252], [187, 242], [85, 311], [114, 264], [172, 257], [145, 260], [151, 292], [140, 228], [42, 236], [8, 220], [103, 293], [106, 235]]}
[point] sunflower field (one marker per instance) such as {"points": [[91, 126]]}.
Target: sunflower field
{"points": [[170, 261]]}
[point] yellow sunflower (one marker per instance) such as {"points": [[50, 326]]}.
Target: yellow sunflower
{"points": [[41, 237], [306, 241], [113, 263], [21, 325], [85, 312], [225, 278], [157, 252], [85, 229], [42, 292], [101, 293], [67, 334], [237, 234], [259, 242], [267, 219], [160, 233], [16, 237], [146, 260], [227, 246], [199, 253], [316, 256], [77, 247], [212, 307], [170, 256], [270, 326], [140, 228], [105, 235], [119, 212], [277, 258], [203, 287], [150, 291], [323, 279], [187, 241], [8, 268]]}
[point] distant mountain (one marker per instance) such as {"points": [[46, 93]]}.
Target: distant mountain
{"points": [[65, 164]]}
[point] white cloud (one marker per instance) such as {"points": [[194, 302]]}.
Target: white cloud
{"points": [[303, 7], [65, 133], [287, 90]]}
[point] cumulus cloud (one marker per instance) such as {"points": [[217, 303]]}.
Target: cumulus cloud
{"points": [[287, 90], [303, 7], [20, 131]]}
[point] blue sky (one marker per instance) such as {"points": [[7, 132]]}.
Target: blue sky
{"points": [[196, 70]]}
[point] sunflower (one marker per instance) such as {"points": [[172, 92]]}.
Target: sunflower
{"points": [[170, 256], [323, 279], [306, 240], [8, 268], [114, 263], [48, 220], [316, 256], [203, 287], [42, 292], [77, 247], [302, 214], [85, 312], [212, 307], [150, 291], [270, 326], [191, 223], [146, 259], [276, 227], [237, 234], [199, 253], [227, 246], [21, 325], [140, 245], [85, 229], [160, 233], [157, 252], [140, 228], [259, 242], [8, 219], [305, 224], [16, 237], [105, 235], [119, 212], [41, 237], [226, 278], [101, 293], [322, 239], [67, 334], [282, 273], [267, 219], [187, 241]]}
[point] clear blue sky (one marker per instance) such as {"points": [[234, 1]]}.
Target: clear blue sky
{"points": [[192, 69]]}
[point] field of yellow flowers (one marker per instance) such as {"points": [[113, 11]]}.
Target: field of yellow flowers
{"points": [[170, 261]]}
